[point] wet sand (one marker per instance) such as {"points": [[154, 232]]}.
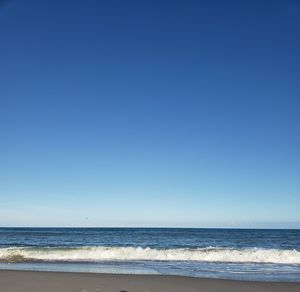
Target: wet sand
{"points": [[26, 281]]}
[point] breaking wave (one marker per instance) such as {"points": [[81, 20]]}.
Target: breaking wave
{"points": [[103, 253]]}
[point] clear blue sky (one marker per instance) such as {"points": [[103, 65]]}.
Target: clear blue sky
{"points": [[150, 113]]}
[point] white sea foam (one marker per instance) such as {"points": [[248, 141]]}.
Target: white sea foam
{"points": [[102, 253]]}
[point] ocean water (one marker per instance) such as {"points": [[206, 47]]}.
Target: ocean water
{"points": [[244, 254]]}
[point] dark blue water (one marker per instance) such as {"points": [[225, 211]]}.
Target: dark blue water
{"points": [[221, 253]]}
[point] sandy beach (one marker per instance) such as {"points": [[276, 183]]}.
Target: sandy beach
{"points": [[27, 281]]}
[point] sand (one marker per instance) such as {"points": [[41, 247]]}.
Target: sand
{"points": [[25, 281]]}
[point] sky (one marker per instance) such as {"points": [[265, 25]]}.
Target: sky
{"points": [[150, 113]]}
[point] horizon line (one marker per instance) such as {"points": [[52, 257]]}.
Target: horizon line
{"points": [[155, 227]]}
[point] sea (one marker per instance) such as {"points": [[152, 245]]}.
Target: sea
{"points": [[241, 254]]}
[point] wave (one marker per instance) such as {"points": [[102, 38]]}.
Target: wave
{"points": [[103, 253]]}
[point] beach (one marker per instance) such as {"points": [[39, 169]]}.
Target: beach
{"points": [[27, 281], [149, 146]]}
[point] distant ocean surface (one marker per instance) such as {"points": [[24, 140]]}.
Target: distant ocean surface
{"points": [[248, 254]]}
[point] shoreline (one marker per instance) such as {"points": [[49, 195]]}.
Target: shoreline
{"points": [[36, 281]]}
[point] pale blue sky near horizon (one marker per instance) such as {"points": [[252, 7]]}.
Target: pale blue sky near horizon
{"points": [[157, 113]]}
